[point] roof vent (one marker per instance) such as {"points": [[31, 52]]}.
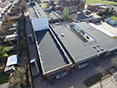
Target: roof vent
{"points": [[102, 49], [98, 45], [62, 34], [94, 47], [98, 50]]}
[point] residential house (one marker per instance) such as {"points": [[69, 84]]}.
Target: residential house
{"points": [[71, 5]]}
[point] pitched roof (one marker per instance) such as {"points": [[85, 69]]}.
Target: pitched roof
{"points": [[69, 3]]}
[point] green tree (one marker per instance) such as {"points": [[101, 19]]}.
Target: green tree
{"points": [[9, 42], [65, 12], [6, 49]]}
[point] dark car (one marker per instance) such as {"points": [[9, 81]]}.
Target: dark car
{"points": [[31, 40]]}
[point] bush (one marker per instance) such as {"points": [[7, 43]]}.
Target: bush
{"points": [[9, 42], [5, 55], [6, 49]]}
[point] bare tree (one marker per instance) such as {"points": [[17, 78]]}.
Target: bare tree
{"points": [[24, 5], [114, 61], [101, 70], [7, 18]]}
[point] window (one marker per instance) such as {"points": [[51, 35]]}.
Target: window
{"points": [[70, 9], [76, 8]]}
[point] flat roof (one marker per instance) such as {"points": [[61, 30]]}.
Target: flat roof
{"points": [[52, 15], [52, 58], [12, 60], [78, 50], [76, 16], [35, 11]]}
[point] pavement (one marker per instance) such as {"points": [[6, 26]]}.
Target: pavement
{"points": [[110, 82], [5, 85], [107, 27]]}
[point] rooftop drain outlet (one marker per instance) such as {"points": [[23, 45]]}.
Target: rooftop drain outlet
{"points": [[98, 50], [98, 45], [102, 49], [62, 34], [94, 47]]}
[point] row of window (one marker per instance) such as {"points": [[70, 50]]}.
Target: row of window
{"points": [[74, 9]]}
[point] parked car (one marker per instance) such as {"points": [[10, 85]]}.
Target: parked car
{"points": [[31, 40], [34, 67], [107, 20], [111, 21]]}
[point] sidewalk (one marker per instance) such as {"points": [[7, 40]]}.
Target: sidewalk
{"points": [[110, 82]]}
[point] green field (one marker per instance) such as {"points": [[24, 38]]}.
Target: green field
{"points": [[100, 1]]}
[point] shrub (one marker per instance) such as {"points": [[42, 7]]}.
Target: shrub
{"points": [[5, 55], [9, 42], [6, 49]]}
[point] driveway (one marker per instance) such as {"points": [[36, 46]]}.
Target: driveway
{"points": [[107, 27]]}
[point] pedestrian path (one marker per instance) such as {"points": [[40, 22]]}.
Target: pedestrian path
{"points": [[110, 82]]}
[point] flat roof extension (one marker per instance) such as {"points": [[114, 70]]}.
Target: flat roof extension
{"points": [[52, 57]]}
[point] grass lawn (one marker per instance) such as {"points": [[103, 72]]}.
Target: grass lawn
{"points": [[100, 1], [4, 78]]}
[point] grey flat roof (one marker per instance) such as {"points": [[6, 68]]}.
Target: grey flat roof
{"points": [[52, 14], [75, 16], [35, 11], [84, 17], [52, 56], [80, 51]]}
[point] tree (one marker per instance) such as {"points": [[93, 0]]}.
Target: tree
{"points": [[24, 5], [9, 42], [65, 12], [101, 70], [7, 18]]}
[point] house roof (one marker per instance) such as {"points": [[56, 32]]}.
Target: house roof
{"points": [[70, 3], [80, 50], [11, 60], [52, 15], [12, 37], [35, 11], [51, 56]]}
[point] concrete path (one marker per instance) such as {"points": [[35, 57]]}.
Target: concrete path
{"points": [[5, 85], [110, 82]]}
